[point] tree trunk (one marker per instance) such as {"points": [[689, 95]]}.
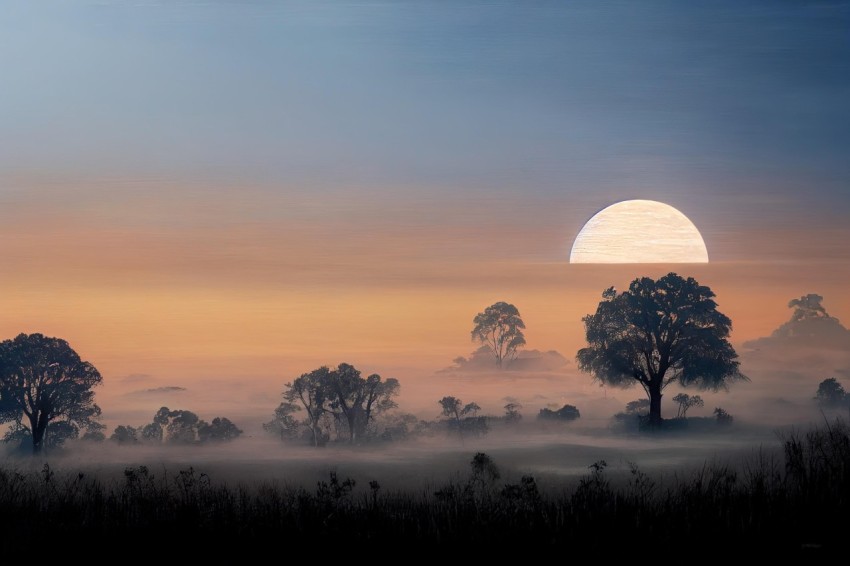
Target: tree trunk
{"points": [[352, 433], [655, 405], [37, 426]]}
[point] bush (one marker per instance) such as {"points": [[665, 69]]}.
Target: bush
{"points": [[565, 413]]}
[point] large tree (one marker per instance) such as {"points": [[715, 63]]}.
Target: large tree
{"points": [[344, 394], [656, 333], [499, 327], [309, 391], [44, 384], [356, 399]]}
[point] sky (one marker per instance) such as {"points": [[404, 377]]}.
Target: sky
{"points": [[223, 195]]}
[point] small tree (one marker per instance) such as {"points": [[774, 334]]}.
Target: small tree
{"points": [[460, 418], [723, 417], [512, 414], [500, 328], [831, 393], [44, 384], [807, 307], [639, 407], [283, 424], [309, 391], [686, 402], [124, 435], [657, 333], [565, 413]]}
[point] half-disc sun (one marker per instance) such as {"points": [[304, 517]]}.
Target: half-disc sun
{"points": [[639, 231]]}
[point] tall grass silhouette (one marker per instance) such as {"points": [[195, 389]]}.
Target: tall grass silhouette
{"points": [[786, 503]]}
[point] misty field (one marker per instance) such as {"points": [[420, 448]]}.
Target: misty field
{"points": [[787, 499]]}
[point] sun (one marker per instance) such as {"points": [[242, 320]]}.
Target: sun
{"points": [[639, 231]]}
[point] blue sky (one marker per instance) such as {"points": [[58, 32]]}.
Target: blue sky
{"points": [[679, 101]]}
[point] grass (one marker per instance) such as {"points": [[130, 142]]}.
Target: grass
{"points": [[789, 505]]}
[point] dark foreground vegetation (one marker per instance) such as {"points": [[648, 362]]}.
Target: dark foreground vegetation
{"points": [[793, 503]]}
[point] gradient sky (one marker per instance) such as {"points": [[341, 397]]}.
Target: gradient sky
{"points": [[236, 192]]}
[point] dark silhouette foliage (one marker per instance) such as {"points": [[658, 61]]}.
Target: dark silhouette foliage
{"points": [[783, 504], [463, 419], [221, 429], [46, 391], [341, 396], [831, 393], [656, 333], [565, 413], [177, 427], [685, 402]]}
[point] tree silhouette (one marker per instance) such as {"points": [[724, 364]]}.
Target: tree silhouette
{"points": [[357, 399], [831, 393], [686, 402], [124, 434], [807, 307], [565, 413], [512, 414], [44, 385], [221, 429], [463, 417], [310, 392], [283, 424], [657, 333], [342, 393], [500, 328]]}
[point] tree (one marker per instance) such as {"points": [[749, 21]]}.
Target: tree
{"points": [[722, 416], [283, 424], [686, 402], [45, 386], [344, 394], [565, 413], [831, 393], [356, 399], [500, 328], [458, 418], [124, 435], [451, 408], [181, 426], [638, 407], [512, 414], [221, 429], [657, 333], [309, 391], [807, 307]]}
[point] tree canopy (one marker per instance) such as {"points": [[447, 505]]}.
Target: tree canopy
{"points": [[499, 327], [342, 394], [656, 333], [46, 390], [831, 393]]}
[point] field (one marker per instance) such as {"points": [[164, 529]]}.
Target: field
{"points": [[559, 493]]}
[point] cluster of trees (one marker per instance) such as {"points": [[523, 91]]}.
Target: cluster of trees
{"points": [[177, 427], [565, 413], [463, 418], [635, 415], [337, 400], [654, 334]]}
